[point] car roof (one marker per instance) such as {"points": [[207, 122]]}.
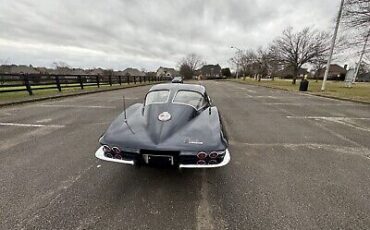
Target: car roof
{"points": [[176, 87]]}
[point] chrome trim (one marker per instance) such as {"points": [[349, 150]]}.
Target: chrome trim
{"points": [[100, 155], [223, 163]]}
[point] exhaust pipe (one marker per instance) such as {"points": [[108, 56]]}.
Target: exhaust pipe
{"points": [[118, 156]]}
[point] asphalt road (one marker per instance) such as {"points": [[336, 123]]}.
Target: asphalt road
{"points": [[298, 162]]}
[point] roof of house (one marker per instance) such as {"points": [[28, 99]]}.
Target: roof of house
{"points": [[15, 69], [96, 71], [132, 72], [210, 68], [289, 71], [335, 68]]}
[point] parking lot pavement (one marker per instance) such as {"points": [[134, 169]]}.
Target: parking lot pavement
{"points": [[298, 162]]}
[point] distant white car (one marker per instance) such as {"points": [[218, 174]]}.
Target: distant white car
{"points": [[177, 80]]}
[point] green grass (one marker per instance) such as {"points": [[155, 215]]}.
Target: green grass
{"points": [[23, 95], [358, 92]]}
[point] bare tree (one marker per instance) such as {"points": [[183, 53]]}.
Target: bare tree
{"points": [[356, 17], [244, 59], [60, 64], [189, 64], [263, 63], [295, 49], [356, 13]]}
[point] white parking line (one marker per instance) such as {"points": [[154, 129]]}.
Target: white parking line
{"points": [[29, 125], [44, 120], [79, 106], [329, 118], [313, 104], [347, 121]]}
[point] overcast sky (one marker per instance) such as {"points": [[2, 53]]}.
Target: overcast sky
{"points": [[147, 34]]}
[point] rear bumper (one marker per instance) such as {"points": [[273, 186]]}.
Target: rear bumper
{"points": [[100, 155]]}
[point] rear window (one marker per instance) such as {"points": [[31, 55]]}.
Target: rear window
{"points": [[191, 98], [156, 97]]}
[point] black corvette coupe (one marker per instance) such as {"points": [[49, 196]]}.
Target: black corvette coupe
{"points": [[176, 126]]}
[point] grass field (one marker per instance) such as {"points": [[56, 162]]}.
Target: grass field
{"points": [[23, 95], [358, 92]]}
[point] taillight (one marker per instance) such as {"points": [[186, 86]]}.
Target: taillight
{"points": [[212, 162], [201, 162], [116, 150], [202, 155], [118, 156], [213, 155], [106, 149]]}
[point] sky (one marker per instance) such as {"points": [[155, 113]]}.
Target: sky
{"points": [[146, 34]]}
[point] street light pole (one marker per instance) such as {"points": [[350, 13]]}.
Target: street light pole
{"points": [[332, 46], [237, 64]]}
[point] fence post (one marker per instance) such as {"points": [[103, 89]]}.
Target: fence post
{"points": [[27, 83], [98, 80], [57, 81], [119, 80], [80, 81], [110, 79]]}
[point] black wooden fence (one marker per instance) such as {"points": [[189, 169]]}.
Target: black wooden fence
{"points": [[31, 82]]}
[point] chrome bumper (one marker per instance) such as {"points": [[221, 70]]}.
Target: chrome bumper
{"points": [[100, 155]]}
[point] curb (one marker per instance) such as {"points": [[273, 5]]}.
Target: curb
{"points": [[310, 93], [70, 95]]}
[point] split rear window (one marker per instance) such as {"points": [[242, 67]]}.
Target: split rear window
{"points": [[157, 97], [191, 98]]}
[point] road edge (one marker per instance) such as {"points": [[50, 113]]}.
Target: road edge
{"points": [[309, 93], [6, 104]]}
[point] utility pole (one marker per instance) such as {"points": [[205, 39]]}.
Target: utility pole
{"points": [[237, 64], [332, 46], [362, 54]]}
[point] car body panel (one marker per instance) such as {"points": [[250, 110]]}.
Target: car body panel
{"points": [[187, 132]]}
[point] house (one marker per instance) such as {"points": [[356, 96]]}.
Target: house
{"points": [[151, 74], [336, 72], [288, 72], [5, 68], [96, 71], [133, 72], [166, 73], [17, 69], [209, 72], [364, 77]]}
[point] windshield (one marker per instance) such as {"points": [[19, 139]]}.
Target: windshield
{"points": [[177, 78], [191, 98], [156, 97]]}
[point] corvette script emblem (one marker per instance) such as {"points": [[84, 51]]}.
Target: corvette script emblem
{"points": [[165, 116]]}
